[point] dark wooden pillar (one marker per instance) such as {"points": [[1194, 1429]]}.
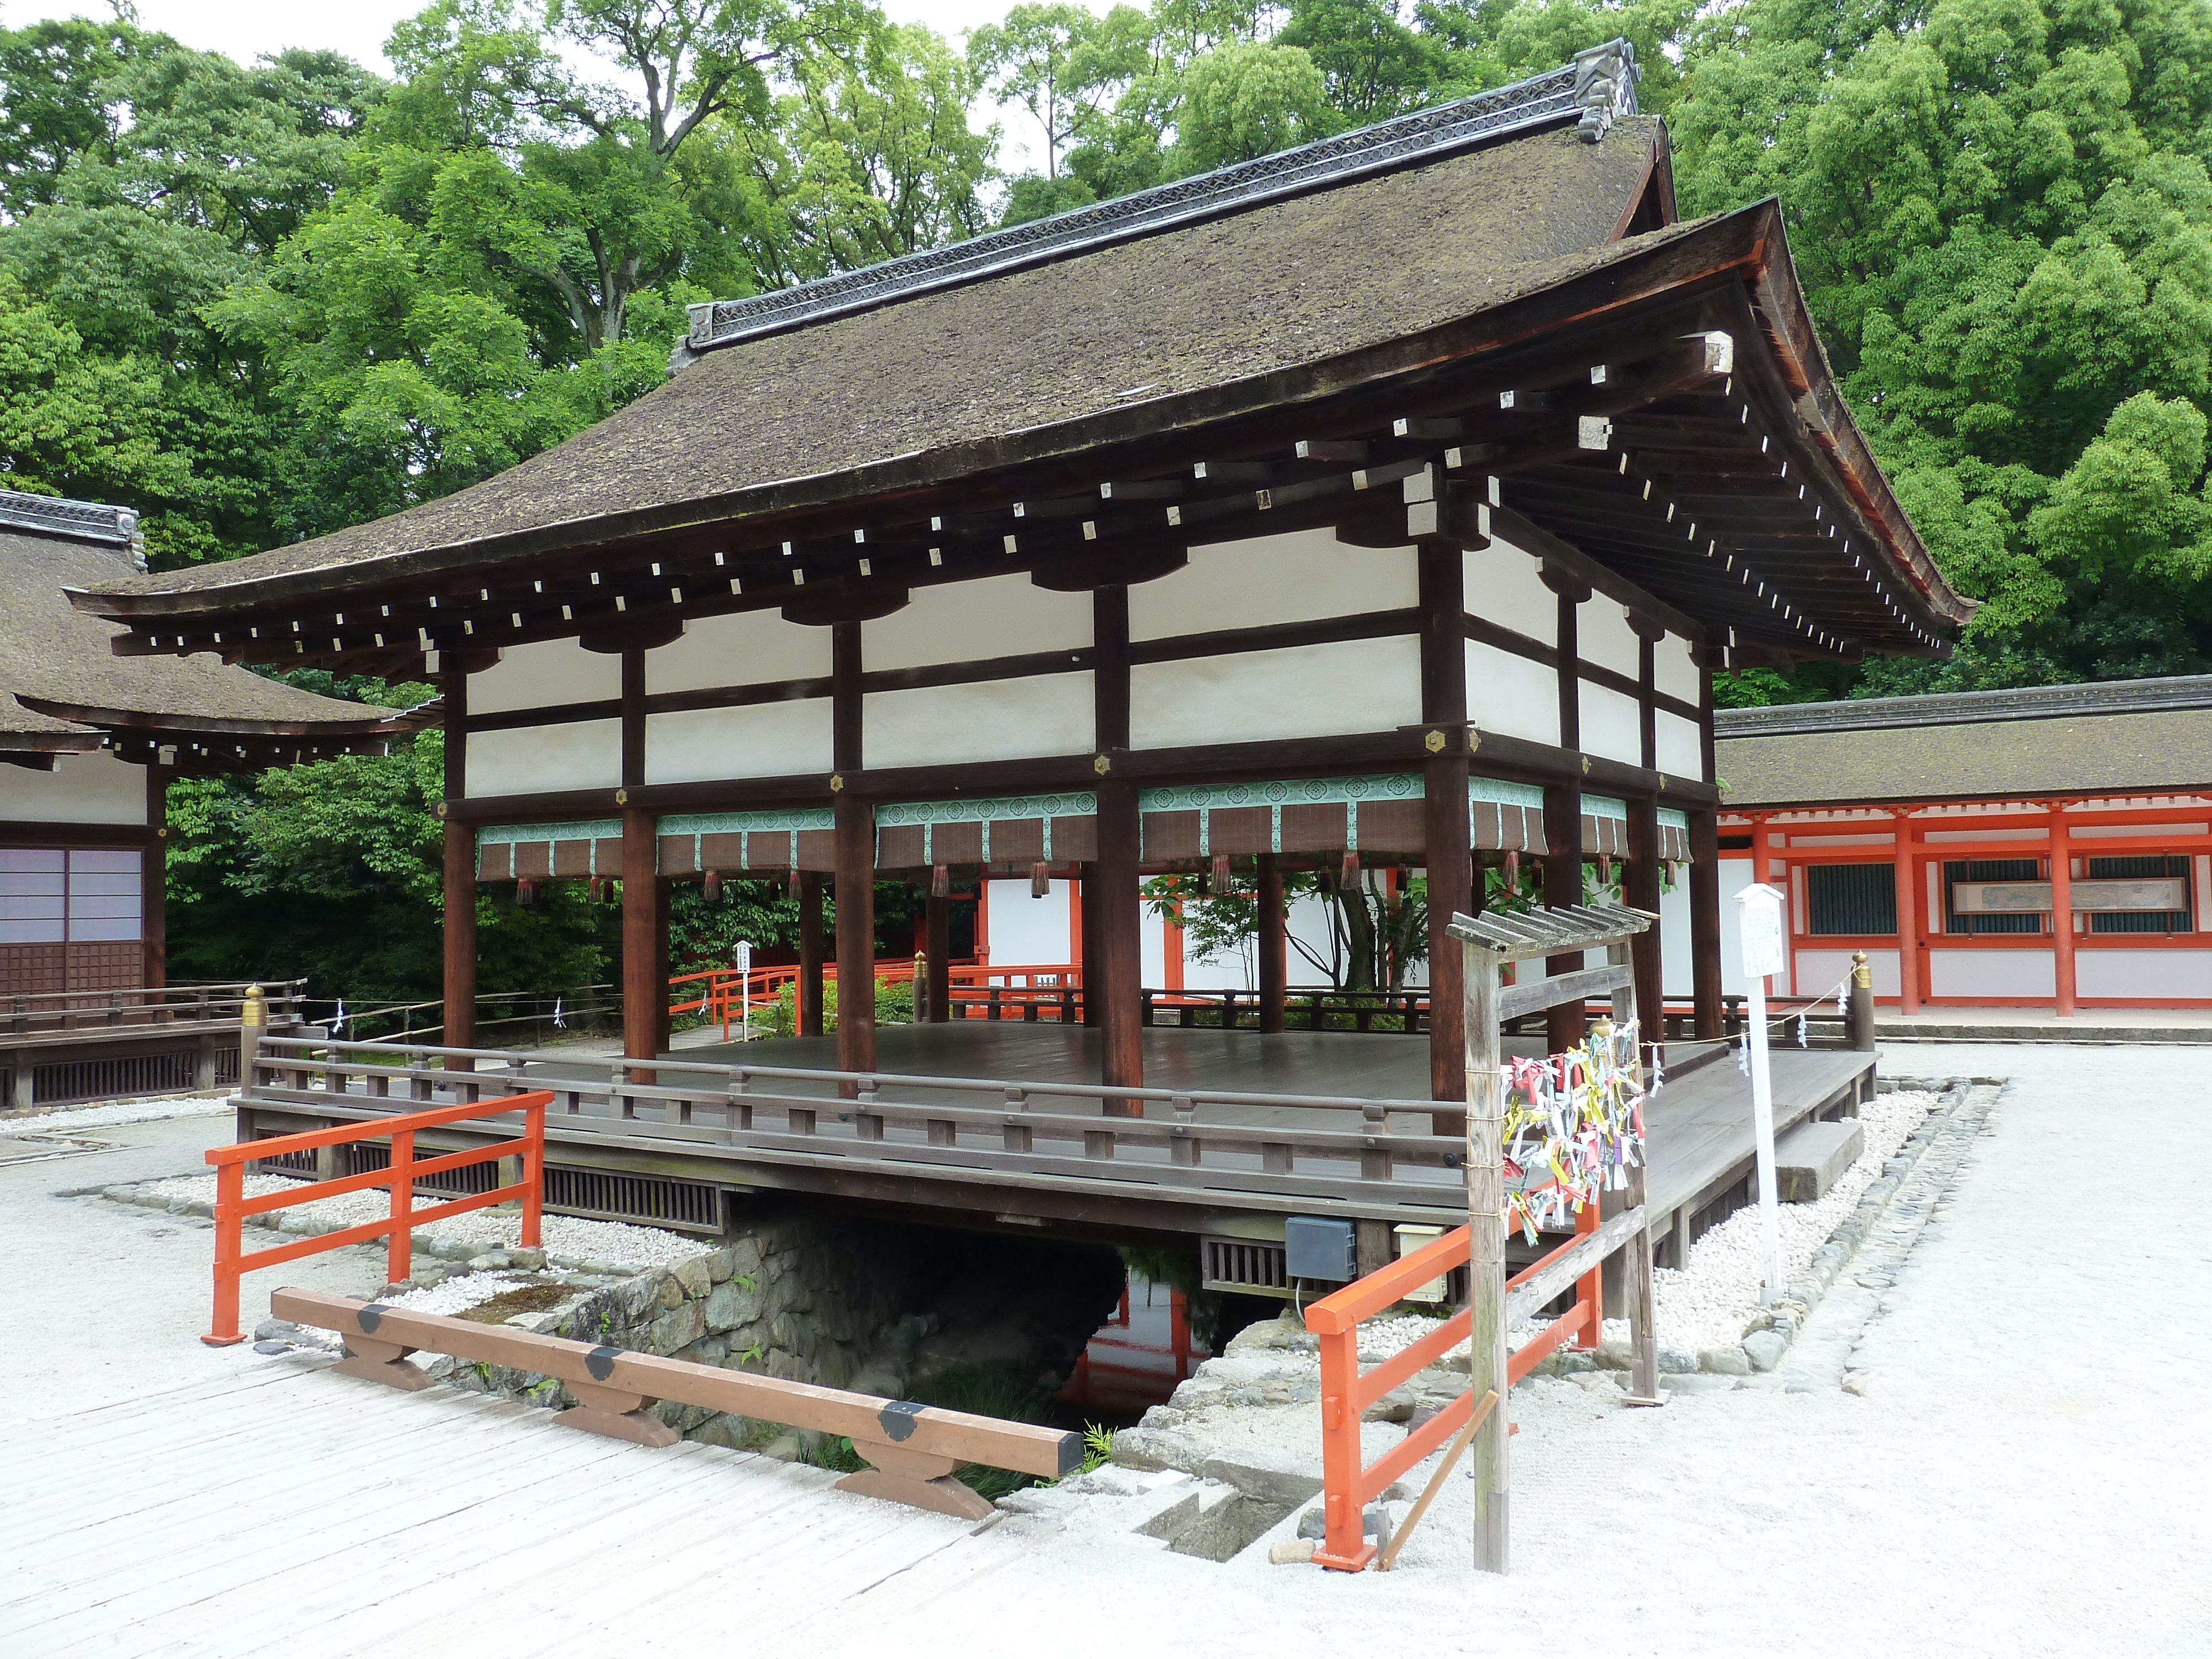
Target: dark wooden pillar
{"points": [[1562, 807], [154, 882], [937, 946], [810, 953], [856, 860], [1710, 1022], [1086, 914], [1274, 943], [645, 986], [1641, 889], [1117, 956], [460, 876], [1448, 858]]}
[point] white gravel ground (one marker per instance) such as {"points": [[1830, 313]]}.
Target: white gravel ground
{"points": [[572, 1239], [151, 1108]]}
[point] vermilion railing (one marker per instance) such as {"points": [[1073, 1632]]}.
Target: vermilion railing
{"points": [[1347, 1392], [232, 1205], [722, 994]]}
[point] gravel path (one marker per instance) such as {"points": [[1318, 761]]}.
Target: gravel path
{"points": [[148, 1109]]}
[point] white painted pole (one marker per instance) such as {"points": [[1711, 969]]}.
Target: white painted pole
{"points": [[1761, 920], [745, 990]]}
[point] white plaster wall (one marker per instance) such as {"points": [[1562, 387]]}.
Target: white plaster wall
{"points": [[1510, 695], [2166, 974], [967, 621], [91, 788], [1676, 968], [1307, 575], [757, 740], [1151, 948], [544, 675], [1308, 921], [1990, 974], [1318, 690], [1818, 970], [1678, 745], [991, 720], [1502, 585], [1673, 671], [539, 759], [1735, 875], [1610, 726], [1026, 930], [752, 647], [1603, 636]]}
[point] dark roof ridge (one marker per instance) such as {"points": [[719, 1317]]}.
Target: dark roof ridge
{"points": [[96, 522], [1597, 86], [2032, 703]]}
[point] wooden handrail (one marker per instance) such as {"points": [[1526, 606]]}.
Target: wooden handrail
{"points": [[913, 1449], [231, 1206]]}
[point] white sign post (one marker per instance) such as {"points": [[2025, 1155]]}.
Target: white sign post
{"points": [[745, 990], [1760, 920]]}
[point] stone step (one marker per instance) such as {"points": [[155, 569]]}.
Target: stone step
{"points": [[1809, 1158]]}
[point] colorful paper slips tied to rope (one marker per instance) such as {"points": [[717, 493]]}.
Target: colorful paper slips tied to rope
{"points": [[1574, 1127]]}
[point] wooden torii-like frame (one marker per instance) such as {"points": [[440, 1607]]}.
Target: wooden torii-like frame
{"points": [[1491, 941]]}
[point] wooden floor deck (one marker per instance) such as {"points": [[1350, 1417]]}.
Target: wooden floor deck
{"points": [[285, 1511]]}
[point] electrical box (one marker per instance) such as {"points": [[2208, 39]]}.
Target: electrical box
{"points": [[1411, 1238], [1318, 1247]]}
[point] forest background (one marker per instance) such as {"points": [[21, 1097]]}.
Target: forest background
{"points": [[258, 302]]}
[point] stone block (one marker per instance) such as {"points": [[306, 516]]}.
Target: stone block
{"points": [[730, 1304], [1765, 1349], [1725, 1362], [1154, 1448], [720, 1264], [1696, 1382], [692, 1274], [1810, 1159], [679, 1327], [1285, 1488]]}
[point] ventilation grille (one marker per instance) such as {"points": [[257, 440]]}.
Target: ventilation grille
{"points": [[651, 1200], [111, 1079], [1242, 1264]]}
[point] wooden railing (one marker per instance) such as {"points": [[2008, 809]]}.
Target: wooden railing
{"points": [[913, 1448], [53, 1013], [232, 1205], [1262, 1151]]}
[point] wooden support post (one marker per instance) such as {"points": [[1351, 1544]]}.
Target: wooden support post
{"points": [[1908, 917], [460, 880], [1274, 953], [1641, 890], [856, 934], [1643, 1303], [1089, 935], [810, 953], [1449, 860], [1859, 1023], [937, 944], [154, 881], [1563, 886], [1119, 958], [2061, 913], [645, 988], [1705, 924], [1485, 1084]]}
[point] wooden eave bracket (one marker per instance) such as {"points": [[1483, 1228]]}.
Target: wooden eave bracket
{"points": [[1524, 936]]}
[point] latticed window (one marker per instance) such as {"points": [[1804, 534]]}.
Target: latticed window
{"points": [[1850, 898], [1976, 870], [2141, 869]]}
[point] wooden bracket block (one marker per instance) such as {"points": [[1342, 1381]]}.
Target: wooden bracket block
{"points": [[381, 1362], [943, 1494], [618, 1414]]}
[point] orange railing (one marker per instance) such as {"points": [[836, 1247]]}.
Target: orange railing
{"points": [[722, 994], [1347, 1392], [232, 1205]]}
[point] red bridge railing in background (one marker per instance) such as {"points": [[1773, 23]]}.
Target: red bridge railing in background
{"points": [[231, 1206]]}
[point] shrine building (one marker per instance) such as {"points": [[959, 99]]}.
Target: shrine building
{"points": [[1385, 505]]}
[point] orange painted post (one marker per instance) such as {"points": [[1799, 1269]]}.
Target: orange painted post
{"points": [[2062, 914], [1589, 1288], [399, 1247], [1344, 1539], [229, 1190], [1908, 918], [533, 1174]]}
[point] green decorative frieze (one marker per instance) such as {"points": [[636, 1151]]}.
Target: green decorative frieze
{"points": [[1074, 805], [508, 834], [778, 821]]}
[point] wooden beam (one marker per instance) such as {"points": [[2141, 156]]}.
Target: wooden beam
{"points": [[1559, 989]]}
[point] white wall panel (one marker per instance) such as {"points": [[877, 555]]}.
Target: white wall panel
{"points": [[1603, 636], [1511, 695], [967, 621], [1319, 690], [757, 740], [1675, 966], [544, 675], [1610, 726], [1033, 932], [1735, 875], [1502, 585], [1818, 970], [752, 647], [2166, 974], [535, 760], [1673, 670], [990, 719], [93, 788], [1679, 745], [1970, 973], [1305, 576]]}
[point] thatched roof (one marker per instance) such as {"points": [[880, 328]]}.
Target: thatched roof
{"points": [[2119, 738], [63, 688]]}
